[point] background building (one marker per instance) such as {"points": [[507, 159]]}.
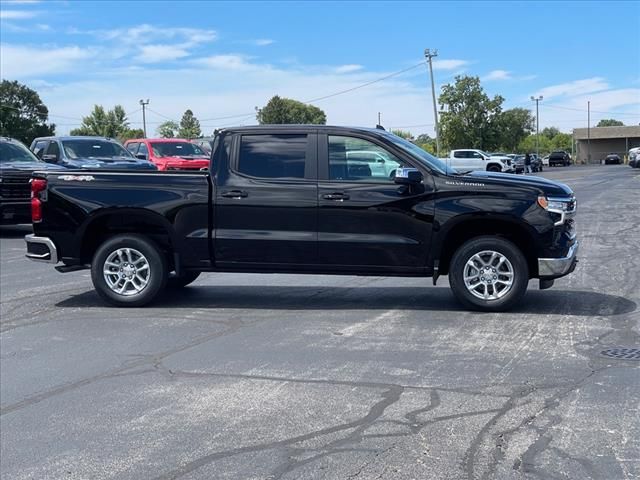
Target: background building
{"points": [[593, 144]]}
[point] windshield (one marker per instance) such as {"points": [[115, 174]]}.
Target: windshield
{"points": [[92, 148], [416, 152], [16, 153], [177, 149]]}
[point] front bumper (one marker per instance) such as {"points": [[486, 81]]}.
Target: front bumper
{"points": [[549, 268], [41, 249]]}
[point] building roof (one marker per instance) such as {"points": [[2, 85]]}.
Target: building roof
{"points": [[601, 133]]}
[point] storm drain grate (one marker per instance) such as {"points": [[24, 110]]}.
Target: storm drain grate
{"points": [[622, 353]]}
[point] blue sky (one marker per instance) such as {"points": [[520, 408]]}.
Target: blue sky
{"points": [[223, 59]]}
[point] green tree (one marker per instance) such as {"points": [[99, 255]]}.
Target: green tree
{"points": [[528, 144], [609, 122], [167, 129], [285, 110], [131, 133], [470, 118], [22, 114], [562, 141], [513, 126], [427, 143], [189, 126], [403, 134], [104, 123], [550, 132]]}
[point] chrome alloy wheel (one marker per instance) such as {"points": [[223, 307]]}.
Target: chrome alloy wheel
{"points": [[126, 271], [488, 275]]}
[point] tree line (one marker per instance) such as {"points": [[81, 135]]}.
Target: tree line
{"points": [[469, 119]]}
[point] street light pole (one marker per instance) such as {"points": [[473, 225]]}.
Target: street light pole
{"points": [[537, 99], [144, 118], [429, 55]]}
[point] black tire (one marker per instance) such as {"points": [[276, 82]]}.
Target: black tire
{"points": [[493, 168], [181, 281], [496, 244], [157, 270]]}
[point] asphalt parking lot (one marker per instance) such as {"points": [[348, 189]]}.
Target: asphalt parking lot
{"points": [[287, 376]]}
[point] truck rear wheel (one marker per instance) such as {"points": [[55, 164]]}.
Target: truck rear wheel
{"points": [[489, 273], [129, 270]]}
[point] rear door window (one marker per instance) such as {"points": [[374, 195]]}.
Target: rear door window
{"points": [[273, 156]]}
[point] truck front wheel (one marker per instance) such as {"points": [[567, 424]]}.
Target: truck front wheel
{"points": [[489, 273], [129, 270], [494, 168]]}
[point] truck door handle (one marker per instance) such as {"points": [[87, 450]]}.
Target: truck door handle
{"points": [[234, 194], [338, 197]]}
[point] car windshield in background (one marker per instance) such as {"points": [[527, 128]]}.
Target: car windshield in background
{"points": [[416, 152], [15, 153], [93, 149], [177, 149]]}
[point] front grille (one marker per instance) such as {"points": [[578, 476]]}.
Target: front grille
{"points": [[15, 188]]}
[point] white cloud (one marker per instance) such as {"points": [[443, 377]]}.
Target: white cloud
{"points": [[147, 34], [19, 61], [263, 42], [450, 64], [348, 68], [17, 14], [577, 87], [227, 85], [161, 53], [498, 75], [225, 62]]}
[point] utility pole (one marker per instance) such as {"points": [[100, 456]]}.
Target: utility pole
{"points": [[429, 55], [144, 118], [537, 99], [588, 132]]}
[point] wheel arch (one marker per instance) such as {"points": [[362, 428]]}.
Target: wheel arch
{"points": [[471, 227], [110, 222]]}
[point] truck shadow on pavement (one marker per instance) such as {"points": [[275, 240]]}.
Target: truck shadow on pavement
{"points": [[556, 302], [15, 231]]}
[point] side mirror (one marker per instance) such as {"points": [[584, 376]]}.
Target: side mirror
{"points": [[408, 176], [142, 156], [50, 158]]}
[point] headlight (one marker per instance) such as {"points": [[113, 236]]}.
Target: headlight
{"points": [[561, 207]]}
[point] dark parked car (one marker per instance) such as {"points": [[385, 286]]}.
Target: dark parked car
{"points": [[559, 157], [612, 158], [87, 153], [536, 163], [17, 163], [290, 199]]}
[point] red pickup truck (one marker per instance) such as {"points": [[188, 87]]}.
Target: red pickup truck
{"points": [[169, 153]]}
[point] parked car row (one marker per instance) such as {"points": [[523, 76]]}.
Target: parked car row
{"points": [[17, 163]]}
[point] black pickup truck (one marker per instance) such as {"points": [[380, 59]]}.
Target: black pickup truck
{"points": [[307, 199]]}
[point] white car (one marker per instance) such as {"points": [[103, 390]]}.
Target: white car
{"points": [[476, 160]]}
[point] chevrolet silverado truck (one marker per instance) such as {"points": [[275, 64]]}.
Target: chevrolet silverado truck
{"points": [[292, 199]]}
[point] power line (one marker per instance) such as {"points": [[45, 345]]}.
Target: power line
{"points": [[395, 74]]}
